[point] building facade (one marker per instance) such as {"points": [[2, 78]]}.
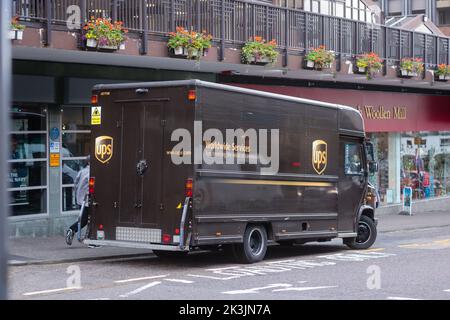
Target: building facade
{"points": [[54, 74]]}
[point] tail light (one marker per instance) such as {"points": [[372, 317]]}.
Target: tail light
{"points": [[188, 187], [94, 99], [166, 238], [192, 95], [177, 231], [91, 185]]}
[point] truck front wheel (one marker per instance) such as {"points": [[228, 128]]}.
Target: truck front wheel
{"points": [[254, 247], [367, 234]]}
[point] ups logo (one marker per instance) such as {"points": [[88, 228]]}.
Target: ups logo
{"points": [[103, 148], [319, 156]]}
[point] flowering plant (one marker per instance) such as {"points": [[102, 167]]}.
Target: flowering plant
{"points": [[320, 56], [443, 70], [104, 31], [414, 65], [371, 62], [258, 49], [15, 25], [194, 42]]}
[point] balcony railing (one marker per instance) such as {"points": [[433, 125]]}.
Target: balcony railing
{"points": [[232, 22]]}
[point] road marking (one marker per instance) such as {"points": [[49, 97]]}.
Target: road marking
{"points": [[179, 280], [139, 290], [51, 291], [265, 268], [401, 298], [370, 250], [447, 290], [255, 290], [141, 279], [303, 288], [437, 244]]}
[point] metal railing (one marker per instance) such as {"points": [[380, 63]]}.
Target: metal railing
{"points": [[232, 22]]}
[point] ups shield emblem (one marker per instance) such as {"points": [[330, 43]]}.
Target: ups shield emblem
{"points": [[103, 148], [319, 156]]}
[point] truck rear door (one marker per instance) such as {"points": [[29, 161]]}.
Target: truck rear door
{"points": [[141, 174]]}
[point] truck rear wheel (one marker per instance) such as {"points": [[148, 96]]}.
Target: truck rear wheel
{"points": [[367, 234], [254, 247]]}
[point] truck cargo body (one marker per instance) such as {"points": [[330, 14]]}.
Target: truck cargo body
{"points": [[143, 198]]}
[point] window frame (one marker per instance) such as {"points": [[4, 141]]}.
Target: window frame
{"points": [[62, 159], [43, 188]]}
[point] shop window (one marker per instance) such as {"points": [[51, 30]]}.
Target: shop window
{"points": [[76, 139], [445, 142], [425, 163], [352, 158], [28, 160]]}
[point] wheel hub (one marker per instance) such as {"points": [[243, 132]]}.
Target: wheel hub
{"points": [[363, 233]]}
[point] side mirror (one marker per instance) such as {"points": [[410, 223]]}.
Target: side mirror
{"points": [[373, 167]]}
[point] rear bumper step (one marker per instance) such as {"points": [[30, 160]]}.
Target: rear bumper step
{"points": [[135, 245]]}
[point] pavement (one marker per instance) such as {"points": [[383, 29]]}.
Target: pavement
{"points": [[53, 250]]}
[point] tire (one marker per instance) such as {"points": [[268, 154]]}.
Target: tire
{"points": [[254, 247], [162, 254], [367, 234]]}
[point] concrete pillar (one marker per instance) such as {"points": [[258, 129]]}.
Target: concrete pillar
{"points": [[394, 165]]}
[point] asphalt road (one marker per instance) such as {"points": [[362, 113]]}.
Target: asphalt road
{"points": [[410, 264]]}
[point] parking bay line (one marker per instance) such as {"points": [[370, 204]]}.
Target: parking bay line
{"points": [[139, 290], [179, 280], [140, 279], [402, 298], [35, 293], [303, 288]]}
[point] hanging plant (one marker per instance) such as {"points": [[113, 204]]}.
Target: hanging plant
{"points": [[411, 67], [259, 51], [319, 58], [189, 44], [15, 29], [442, 73], [369, 64], [103, 34]]}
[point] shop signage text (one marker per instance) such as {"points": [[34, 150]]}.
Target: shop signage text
{"points": [[382, 113]]}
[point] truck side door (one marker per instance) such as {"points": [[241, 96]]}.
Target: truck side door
{"points": [[352, 182]]}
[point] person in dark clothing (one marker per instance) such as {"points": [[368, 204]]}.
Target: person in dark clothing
{"points": [[81, 189]]}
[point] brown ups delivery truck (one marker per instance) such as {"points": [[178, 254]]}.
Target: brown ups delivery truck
{"points": [[181, 165]]}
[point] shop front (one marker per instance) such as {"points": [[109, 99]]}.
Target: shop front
{"points": [[411, 135]]}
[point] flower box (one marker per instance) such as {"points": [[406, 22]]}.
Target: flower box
{"points": [[190, 45], [14, 34], [407, 74], [259, 61], [91, 43], [310, 64], [107, 47], [442, 77], [179, 51]]}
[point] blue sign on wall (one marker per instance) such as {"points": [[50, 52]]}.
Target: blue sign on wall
{"points": [[54, 134]]}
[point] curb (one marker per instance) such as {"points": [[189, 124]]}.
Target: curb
{"points": [[14, 263]]}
